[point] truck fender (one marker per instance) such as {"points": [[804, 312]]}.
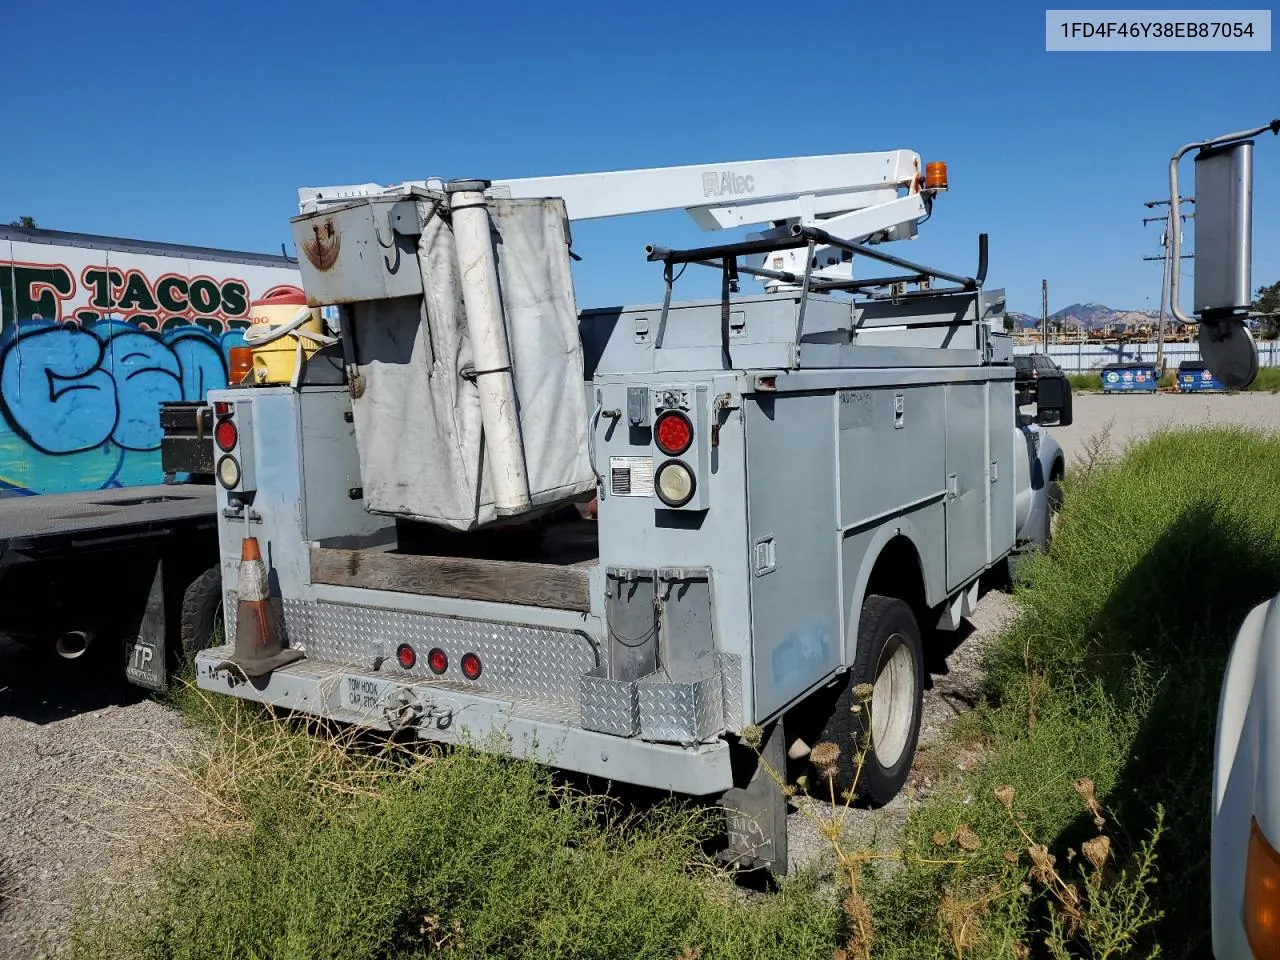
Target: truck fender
{"points": [[903, 527], [1246, 778]]}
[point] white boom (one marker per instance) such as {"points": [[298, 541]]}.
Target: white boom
{"points": [[867, 197]]}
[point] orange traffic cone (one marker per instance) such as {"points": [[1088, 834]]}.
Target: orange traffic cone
{"points": [[259, 648]]}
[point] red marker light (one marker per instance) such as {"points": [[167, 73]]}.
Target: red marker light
{"points": [[406, 656], [437, 661], [673, 433], [470, 666], [221, 408], [226, 435]]}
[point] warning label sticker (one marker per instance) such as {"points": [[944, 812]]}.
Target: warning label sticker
{"points": [[631, 476]]}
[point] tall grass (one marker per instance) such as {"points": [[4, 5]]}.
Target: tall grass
{"points": [[1268, 380], [312, 848], [1107, 684], [1083, 833]]}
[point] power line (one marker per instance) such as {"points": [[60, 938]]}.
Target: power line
{"points": [[1166, 258]]}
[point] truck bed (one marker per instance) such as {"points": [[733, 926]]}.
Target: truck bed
{"points": [[92, 517], [555, 572]]}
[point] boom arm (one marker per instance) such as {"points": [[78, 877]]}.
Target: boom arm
{"points": [[859, 196]]}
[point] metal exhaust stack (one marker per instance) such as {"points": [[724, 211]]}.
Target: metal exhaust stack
{"points": [[483, 302], [73, 644]]}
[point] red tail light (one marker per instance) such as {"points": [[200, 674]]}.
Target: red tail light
{"points": [[437, 661], [673, 433], [225, 435], [470, 666], [406, 657]]}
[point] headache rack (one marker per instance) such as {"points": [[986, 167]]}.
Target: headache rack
{"points": [[724, 257]]}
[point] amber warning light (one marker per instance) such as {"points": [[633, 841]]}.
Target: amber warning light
{"points": [[1262, 895], [241, 365], [935, 175]]}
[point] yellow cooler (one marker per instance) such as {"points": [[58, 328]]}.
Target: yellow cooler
{"points": [[283, 334]]}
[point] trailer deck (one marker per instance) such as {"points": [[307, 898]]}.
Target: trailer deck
{"points": [[83, 519]]}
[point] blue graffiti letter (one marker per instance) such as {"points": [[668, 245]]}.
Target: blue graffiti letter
{"points": [[146, 374], [53, 392]]}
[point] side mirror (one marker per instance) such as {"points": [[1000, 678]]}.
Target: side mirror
{"points": [[1053, 402], [1224, 230]]}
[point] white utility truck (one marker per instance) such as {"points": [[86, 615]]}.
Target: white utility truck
{"points": [[795, 489]]}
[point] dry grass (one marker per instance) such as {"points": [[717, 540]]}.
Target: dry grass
{"points": [[324, 844]]}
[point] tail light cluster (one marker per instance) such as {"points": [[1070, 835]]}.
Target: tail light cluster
{"points": [[682, 440], [231, 427], [673, 481], [438, 661]]}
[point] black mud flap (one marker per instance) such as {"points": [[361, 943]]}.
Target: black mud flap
{"points": [[145, 664], [756, 808]]}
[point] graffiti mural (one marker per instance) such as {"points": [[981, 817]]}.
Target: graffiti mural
{"points": [[88, 355]]}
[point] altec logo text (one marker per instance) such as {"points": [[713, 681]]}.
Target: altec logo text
{"points": [[726, 183]]}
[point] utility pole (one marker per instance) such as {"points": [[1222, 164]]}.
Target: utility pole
{"points": [[1164, 280], [1044, 314]]}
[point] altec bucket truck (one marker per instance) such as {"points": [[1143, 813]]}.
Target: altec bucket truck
{"points": [[796, 488]]}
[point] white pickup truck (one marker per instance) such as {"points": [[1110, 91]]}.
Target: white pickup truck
{"points": [[1245, 830]]}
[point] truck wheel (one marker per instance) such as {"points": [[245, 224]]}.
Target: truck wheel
{"points": [[890, 658], [201, 604]]}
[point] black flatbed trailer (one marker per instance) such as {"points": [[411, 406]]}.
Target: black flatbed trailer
{"points": [[132, 568], [33, 527]]}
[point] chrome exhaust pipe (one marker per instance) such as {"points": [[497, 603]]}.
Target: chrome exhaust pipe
{"points": [[73, 644]]}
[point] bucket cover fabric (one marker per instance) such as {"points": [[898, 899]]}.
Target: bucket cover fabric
{"points": [[417, 421]]}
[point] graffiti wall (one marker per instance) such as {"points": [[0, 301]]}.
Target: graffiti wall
{"points": [[93, 340]]}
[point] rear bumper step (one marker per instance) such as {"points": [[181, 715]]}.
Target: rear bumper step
{"points": [[544, 731]]}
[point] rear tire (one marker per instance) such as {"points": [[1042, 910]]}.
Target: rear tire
{"points": [[890, 658], [201, 604]]}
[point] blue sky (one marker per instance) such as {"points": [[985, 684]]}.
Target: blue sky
{"points": [[197, 123]]}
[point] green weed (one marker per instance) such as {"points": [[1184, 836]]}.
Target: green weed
{"points": [[1110, 675], [310, 848], [1268, 380]]}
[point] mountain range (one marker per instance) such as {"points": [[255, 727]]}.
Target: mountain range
{"points": [[1088, 316]]}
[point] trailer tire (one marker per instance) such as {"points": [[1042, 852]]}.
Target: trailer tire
{"points": [[200, 605], [890, 658]]}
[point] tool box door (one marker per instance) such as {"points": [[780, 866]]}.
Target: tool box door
{"points": [[967, 484], [791, 506]]}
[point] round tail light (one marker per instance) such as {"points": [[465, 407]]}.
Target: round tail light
{"points": [[470, 666], [674, 483], [437, 661], [228, 472], [406, 657], [673, 433], [225, 435]]}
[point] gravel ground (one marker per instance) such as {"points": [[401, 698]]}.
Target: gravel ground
{"points": [[88, 776], [88, 766]]}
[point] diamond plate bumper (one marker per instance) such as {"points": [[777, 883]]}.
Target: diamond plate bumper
{"points": [[523, 660], [450, 713], [609, 706], [680, 712]]}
